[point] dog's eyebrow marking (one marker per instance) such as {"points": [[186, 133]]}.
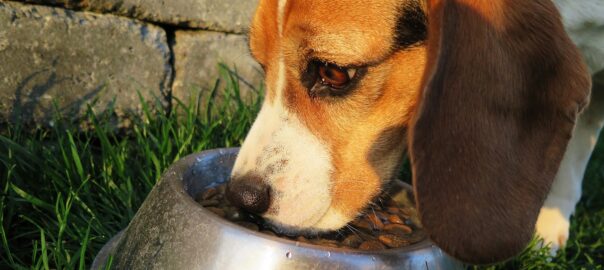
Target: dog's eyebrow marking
{"points": [[411, 27], [281, 10]]}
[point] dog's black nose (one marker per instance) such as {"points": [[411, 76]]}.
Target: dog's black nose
{"points": [[249, 193]]}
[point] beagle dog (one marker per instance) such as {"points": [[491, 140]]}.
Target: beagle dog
{"points": [[483, 95]]}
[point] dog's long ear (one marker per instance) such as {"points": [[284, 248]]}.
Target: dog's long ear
{"points": [[501, 93]]}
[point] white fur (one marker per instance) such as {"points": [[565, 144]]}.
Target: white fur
{"points": [[281, 13], [294, 162], [332, 220], [554, 220], [584, 23], [553, 227]]}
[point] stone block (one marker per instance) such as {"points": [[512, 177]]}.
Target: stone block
{"points": [[219, 15], [197, 56], [73, 58]]}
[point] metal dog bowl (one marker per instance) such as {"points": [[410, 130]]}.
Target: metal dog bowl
{"points": [[172, 231]]}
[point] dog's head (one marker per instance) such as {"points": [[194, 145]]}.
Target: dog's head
{"points": [[484, 95]]}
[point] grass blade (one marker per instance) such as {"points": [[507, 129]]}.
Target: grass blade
{"points": [[44, 250], [31, 199], [82, 265]]}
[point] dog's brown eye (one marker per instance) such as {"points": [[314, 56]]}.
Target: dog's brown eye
{"points": [[335, 76], [324, 79]]}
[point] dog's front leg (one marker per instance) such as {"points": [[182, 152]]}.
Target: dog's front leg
{"points": [[554, 219]]}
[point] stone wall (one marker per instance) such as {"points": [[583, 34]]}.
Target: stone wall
{"points": [[65, 54]]}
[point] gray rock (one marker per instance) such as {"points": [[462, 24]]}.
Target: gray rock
{"points": [[74, 58], [221, 15], [197, 57]]}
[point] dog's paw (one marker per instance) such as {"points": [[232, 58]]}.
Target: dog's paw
{"points": [[553, 226]]}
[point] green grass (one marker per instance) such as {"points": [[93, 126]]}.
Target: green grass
{"points": [[65, 192]]}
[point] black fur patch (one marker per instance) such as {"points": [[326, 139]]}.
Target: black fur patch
{"points": [[411, 27]]}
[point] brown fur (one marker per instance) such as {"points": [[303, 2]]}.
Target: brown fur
{"points": [[264, 40], [343, 34], [503, 88]]}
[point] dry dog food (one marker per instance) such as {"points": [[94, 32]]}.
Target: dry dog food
{"points": [[390, 223]]}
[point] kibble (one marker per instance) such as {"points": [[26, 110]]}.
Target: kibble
{"points": [[352, 241], [393, 210], [375, 221], [209, 194], [388, 224], [397, 229], [395, 219], [372, 245], [393, 241]]}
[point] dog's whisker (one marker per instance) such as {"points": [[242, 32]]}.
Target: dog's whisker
{"points": [[353, 230]]}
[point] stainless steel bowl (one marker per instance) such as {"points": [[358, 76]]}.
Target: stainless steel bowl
{"points": [[172, 231]]}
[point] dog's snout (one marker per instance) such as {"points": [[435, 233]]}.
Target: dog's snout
{"points": [[250, 194]]}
